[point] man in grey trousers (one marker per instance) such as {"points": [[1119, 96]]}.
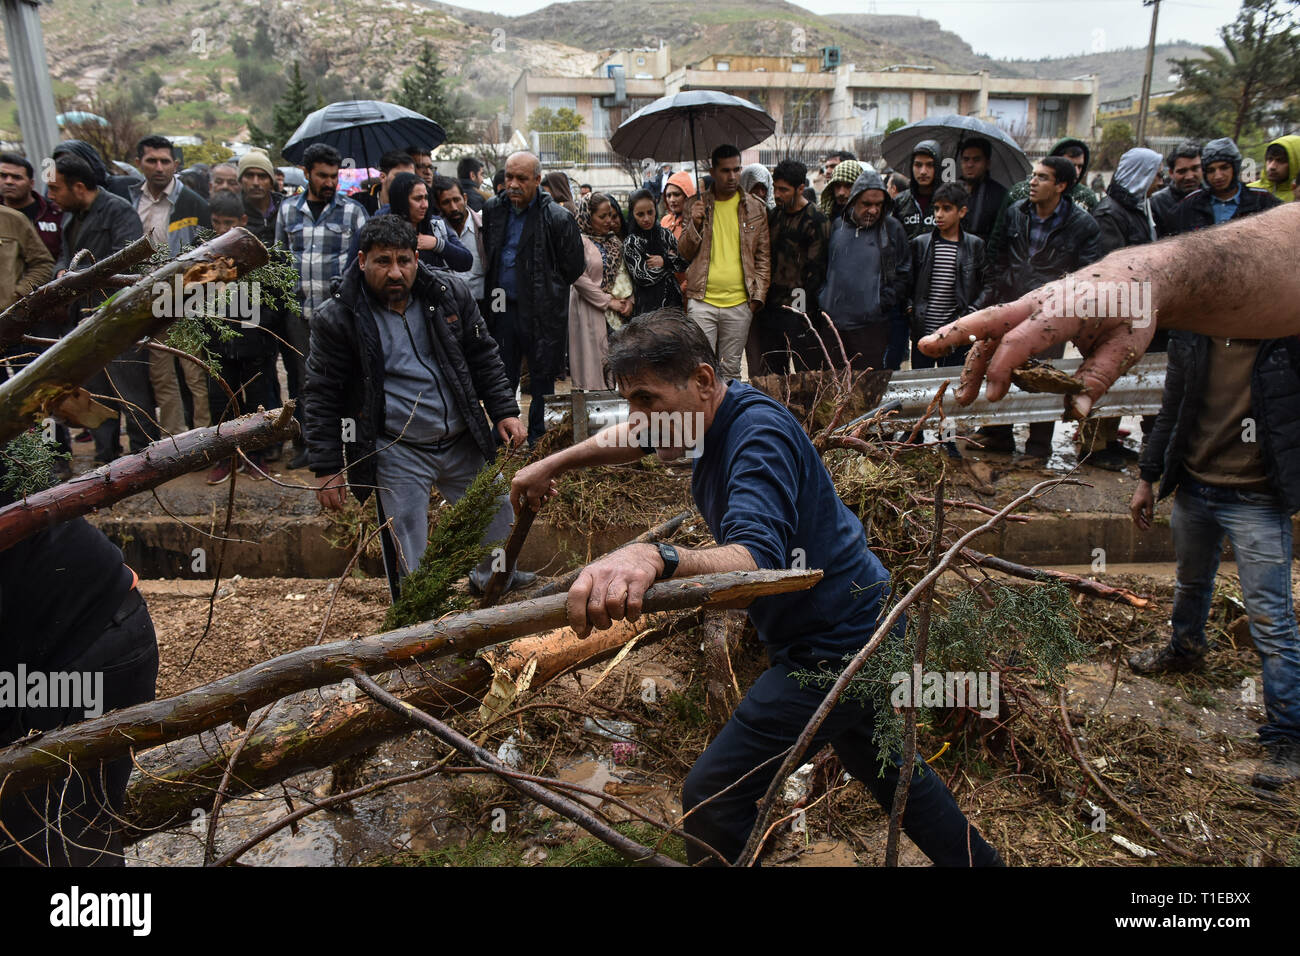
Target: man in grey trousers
{"points": [[399, 372]]}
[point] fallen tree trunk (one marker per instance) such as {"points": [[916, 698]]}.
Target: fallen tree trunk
{"points": [[317, 728], [1072, 581], [120, 322], [160, 462], [42, 757], [45, 302]]}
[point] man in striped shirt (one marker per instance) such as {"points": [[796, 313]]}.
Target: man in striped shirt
{"points": [[317, 227]]}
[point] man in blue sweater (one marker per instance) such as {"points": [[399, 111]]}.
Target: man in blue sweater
{"points": [[770, 503]]}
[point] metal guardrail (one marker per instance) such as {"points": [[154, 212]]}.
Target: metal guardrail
{"points": [[1137, 392]]}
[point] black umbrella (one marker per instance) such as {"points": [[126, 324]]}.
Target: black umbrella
{"points": [[363, 130], [1008, 164], [681, 126]]}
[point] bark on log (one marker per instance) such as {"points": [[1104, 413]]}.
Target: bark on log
{"points": [[123, 320], [42, 757], [1072, 581], [47, 301], [160, 462], [721, 633], [316, 729]]}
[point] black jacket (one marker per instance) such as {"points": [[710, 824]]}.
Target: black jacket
{"points": [[473, 198], [345, 371], [1070, 246], [1163, 204], [1275, 405], [970, 275], [1121, 220], [109, 225], [908, 211], [1197, 212], [550, 260], [984, 205]]}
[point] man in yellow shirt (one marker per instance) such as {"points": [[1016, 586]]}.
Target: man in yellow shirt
{"points": [[727, 242]]}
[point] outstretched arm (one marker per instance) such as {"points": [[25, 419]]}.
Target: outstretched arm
{"points": [[1237, 279]]}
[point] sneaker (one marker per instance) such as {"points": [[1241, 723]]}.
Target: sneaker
{"points": [[1165, 660], [299, 460], [253, 468], [1282, 767], [518, 579], [220, 472], [83, 436]]}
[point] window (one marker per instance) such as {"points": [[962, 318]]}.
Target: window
{"points": [[798, 67], [600, 127], [1051, 118], [722, 66], [877, 108], [803, 114], [556, 103], [940, 104]]}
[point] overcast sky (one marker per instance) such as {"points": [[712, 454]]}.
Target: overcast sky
{"points": [[1019, 28]]}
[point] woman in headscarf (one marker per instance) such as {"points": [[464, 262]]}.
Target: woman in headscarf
{"points": [[757, 181], [650, 252], [408, 197], [679, 189], [557, 184], [601, 296]]}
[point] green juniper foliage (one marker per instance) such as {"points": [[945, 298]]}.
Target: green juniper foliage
{"points": [[1037, 624], [455, 546], [196, 333], [27, 464]]}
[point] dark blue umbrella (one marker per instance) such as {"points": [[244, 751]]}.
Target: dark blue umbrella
{"points": [[363, 130], [1008, 164], [684, 125]]}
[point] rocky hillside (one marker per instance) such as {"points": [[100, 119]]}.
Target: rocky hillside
{"points": [[205, 66]]}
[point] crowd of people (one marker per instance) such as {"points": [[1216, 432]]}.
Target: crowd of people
{"points": [[422, 298]]}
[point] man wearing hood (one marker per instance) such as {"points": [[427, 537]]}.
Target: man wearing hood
{"points": [[1077, 152], [836, 194], [1281, 167], [1185, 179], [1125, 218], [868, 272], [912, 207], [1041, 238], [1224, 196]]}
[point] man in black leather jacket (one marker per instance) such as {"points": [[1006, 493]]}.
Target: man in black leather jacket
{"points": [[399, 361], [533, 255]]}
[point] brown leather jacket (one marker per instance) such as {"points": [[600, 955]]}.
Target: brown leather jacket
{"points": [[755, 246]]}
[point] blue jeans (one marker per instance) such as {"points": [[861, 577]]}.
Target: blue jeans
{"points": [[900, 336], [1260, 532], [767, 722]]}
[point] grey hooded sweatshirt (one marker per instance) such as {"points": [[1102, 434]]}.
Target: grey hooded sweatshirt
{"points": [[869, 268]]}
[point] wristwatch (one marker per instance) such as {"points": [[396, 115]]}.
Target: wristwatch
{"points": [[670, 558]]}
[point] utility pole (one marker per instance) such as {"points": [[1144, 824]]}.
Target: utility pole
{"points": [[1146, 77], [22, 22]]}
